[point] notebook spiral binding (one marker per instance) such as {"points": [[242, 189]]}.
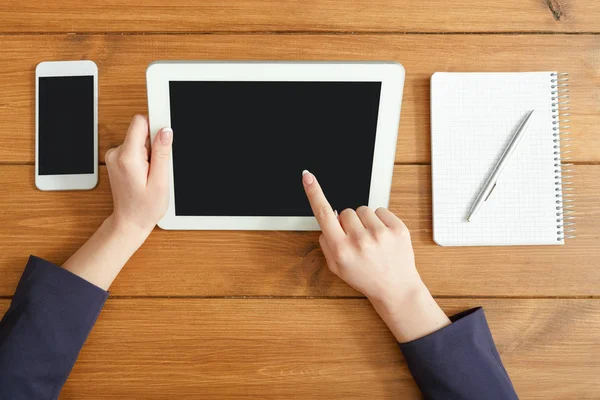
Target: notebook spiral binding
{"points": [[565, 218]]}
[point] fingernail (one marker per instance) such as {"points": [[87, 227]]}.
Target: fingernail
{"points": [[336, 214], [307, 177], [165, 135]]}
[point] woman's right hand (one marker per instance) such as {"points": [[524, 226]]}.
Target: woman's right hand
{"points": [[372, 252]]}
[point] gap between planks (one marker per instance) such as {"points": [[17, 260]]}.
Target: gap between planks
{"points": [[442, 297], [313, 33]]}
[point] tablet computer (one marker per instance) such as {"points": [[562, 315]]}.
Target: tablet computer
{"points": [[245, 131]]}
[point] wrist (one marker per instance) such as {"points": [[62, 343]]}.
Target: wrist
{"points": [[102, 257], [411, 314], [392, 303], [130, 233]]}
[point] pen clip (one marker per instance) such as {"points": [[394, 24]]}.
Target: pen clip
{"points": [[490, 193]]}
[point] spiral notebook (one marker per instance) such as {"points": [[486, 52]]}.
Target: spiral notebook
{"points": [[473, 117]]}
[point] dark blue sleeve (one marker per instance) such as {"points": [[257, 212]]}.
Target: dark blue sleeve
{"points": [[41, 334], [459, 361]]}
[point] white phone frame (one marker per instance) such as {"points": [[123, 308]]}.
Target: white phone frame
{"points": [[390, 74], [66, 181]]}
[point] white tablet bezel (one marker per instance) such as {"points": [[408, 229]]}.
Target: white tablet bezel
{"points": [[390, 74]]}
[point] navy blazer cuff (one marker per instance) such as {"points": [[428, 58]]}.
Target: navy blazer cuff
{"points": [[460, 361]]}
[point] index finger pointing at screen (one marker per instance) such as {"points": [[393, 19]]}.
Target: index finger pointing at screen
{"points": [[330, 226]]}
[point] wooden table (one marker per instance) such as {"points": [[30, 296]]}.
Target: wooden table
{"points": [[225, 315]]}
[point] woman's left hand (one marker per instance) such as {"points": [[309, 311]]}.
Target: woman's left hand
{"points": [[140, 188], [139, 177]]}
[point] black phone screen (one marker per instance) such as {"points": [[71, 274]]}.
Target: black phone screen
{"points": [[66, 125]]}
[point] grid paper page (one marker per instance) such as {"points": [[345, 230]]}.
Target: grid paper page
{"points": [[473, 117]]}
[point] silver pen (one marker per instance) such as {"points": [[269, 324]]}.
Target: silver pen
{"points": [[490, 184]]}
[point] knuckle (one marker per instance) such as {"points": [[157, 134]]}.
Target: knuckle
{"points": [[400, 226], [161, 154], [363, 241], [108, 156], [339, 252], [401, 230], [405, 231], [323, 212], [125, 161], [380, 232]]}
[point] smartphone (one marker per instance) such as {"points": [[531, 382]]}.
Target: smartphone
{"points": [[66, 125]]}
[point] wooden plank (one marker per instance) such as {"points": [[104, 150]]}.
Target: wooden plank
{"points": [[309, 348], [122, 61], [203, 263], [304, 15]]}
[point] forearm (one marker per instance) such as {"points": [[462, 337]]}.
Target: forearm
{"points": [[102, 257]]}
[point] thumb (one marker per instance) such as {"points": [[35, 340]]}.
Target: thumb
{"points": [[161, 156]]}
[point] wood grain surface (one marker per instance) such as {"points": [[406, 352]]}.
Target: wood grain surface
{"points": [[213, 263], [122, 62], [315, 348], [239, 315], [299, 16]]}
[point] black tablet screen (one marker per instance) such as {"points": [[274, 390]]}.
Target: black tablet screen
{"points": [[240, 147]]}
